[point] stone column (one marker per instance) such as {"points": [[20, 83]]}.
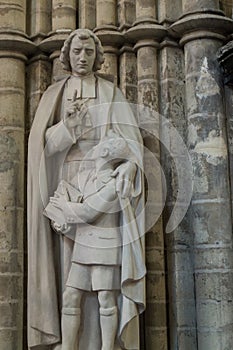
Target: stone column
{"points": [[146, 33], [106, 30], [227, 7], [202, 32], [63, 22], [39, 67], [63, 14], [180, 281], [87, 14], [39, 19], [14, 44], [127, 58], [128, 73]]}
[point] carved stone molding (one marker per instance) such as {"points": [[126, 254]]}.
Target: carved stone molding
{"points": [[16, 41], [201, 25], [109, 35], [146, 31], [54, 41]]}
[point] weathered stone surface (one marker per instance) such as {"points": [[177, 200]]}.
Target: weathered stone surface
{"points": [[87, 14], [12, 15], [39, 17], [191, 97], [63, 14], [105, 12]]}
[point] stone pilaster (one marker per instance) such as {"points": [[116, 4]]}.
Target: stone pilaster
{"points": [[147, 33], [202, 32], [14, 44]]}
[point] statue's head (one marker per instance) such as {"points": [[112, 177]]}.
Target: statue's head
{"points": [[112, 148], [82, 52]]}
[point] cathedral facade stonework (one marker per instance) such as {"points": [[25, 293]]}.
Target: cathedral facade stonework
{"points": [[174, 59]]}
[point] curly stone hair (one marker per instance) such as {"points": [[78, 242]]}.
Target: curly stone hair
{"points": [[83, 34]]}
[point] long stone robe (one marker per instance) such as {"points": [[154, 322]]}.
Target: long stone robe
{"points": [[43, 256]]}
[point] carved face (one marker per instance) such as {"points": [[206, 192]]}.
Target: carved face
{"points": [[82, 55]]}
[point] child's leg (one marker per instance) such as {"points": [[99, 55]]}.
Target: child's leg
{"points": [[108, 318], [71, 311]]}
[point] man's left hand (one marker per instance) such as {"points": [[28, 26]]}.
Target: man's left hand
{"points": [[125, 175]]}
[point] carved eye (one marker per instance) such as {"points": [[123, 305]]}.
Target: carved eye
{"points": [[76, 51], [89, 52]]}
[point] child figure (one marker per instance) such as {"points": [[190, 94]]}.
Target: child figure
{"points": [[96, 259]]}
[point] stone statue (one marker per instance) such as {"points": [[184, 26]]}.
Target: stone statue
{"points": [[86, 272]]}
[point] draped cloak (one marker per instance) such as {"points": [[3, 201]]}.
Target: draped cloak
{"points": [[43, 292]]}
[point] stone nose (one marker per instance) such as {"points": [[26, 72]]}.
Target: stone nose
{"points": [[83, 57]]}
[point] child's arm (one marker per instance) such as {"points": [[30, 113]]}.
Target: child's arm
{"points": [[88, 211]]}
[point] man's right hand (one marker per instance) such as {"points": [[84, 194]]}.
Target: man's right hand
{"points": [[74, 113]]}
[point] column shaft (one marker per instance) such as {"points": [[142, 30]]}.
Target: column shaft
{"points": [[12, 178], [105, 12], [39, 18], [227, 7], [127, 60], [180, 281], [213, 260], [229, 113], [155, 316], [87, 14], [198, 5], [146, 9], [12, 96], [148, 76], [126, 13], [169, 11], [128, 74], [63, 14], [106, 18], [13, 15]]}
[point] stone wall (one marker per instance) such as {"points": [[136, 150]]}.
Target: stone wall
{"points": [[162, 54]]}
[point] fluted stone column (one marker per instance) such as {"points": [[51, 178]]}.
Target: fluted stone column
{"points": [[202, 34], [146, 33], [14, 44]]}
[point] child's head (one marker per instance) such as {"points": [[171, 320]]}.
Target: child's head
{"points": [[112, 148]]}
